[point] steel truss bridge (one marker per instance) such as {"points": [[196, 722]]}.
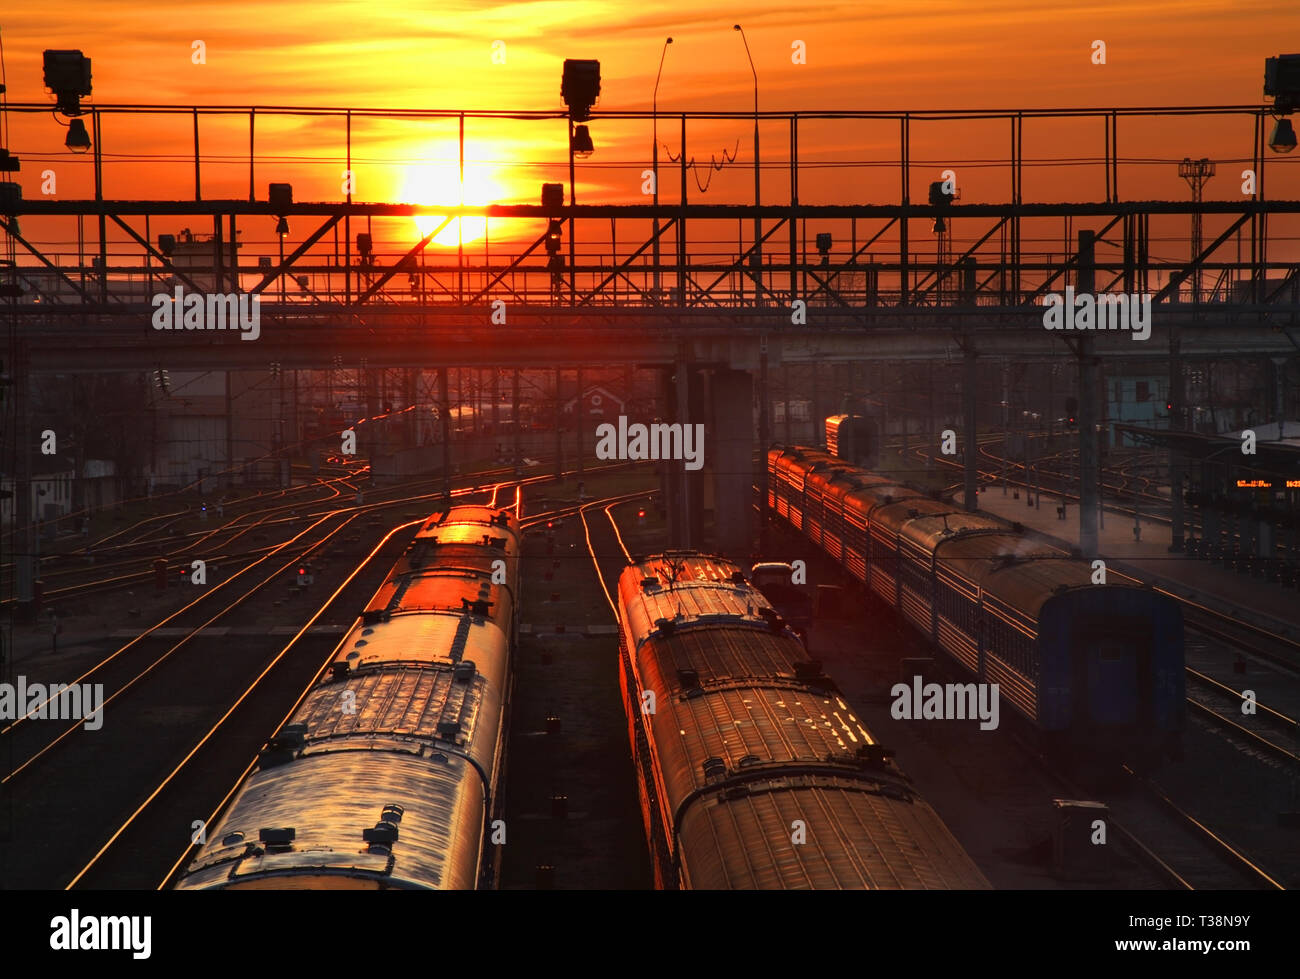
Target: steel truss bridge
{"points": [[720, 278]]}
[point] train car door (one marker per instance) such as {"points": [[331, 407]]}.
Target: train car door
{"points": [[1112, 674]]}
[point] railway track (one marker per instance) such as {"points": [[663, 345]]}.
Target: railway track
{"points": [[100, 578], [1274, 734], [209, 713], [1190, 855]]}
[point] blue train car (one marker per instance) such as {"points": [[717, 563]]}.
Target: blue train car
{"points": [[1096, 670]]}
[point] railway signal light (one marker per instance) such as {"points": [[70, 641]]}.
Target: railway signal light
{"points": [[640, 516], [305, 577], [554, 232]]}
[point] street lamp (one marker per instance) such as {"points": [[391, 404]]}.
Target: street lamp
{"points": [[1283, 138], [757, 259], [654, 125], [77, 140]]}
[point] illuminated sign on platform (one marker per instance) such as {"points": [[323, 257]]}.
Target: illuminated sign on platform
{"points": [[1265, 484]]}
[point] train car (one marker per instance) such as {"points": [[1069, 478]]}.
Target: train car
{"points": [[388, 773], [853, 438], [1096, 670], [753, 772]]}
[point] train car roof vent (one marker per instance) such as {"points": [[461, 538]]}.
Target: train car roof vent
{"points": [[774, 621], [688, 678], [464, 671], [808, 669], [649, 582], [714, 767], [666, 626], [749, 760], [382, 832], [392, 813], [477, 608], [500, 519], [372, 615], [874, 754], [230, 839], [498, 542], [1017, 527], [448, 729], [339, 669], [913, 512], [290, 736], [278, 839], [737, 577]]}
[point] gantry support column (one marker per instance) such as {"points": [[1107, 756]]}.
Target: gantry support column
{"points": [[684, 523], [517, 452], [559, 437], [764, 438], [444, 419], [24, 530], [971, 450], [731, 457], [1088, 413]]}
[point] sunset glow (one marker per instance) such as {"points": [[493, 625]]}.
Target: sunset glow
{"points": [[439, 183]]}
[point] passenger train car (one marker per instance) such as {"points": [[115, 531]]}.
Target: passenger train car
{"points": [[1097, 670], [753, 772], [388, 774]]}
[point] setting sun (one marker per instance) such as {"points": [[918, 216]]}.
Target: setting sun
{"points": [[439, 183]]}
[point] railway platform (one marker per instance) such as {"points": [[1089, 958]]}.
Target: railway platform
{"points": [[1263, 603]]}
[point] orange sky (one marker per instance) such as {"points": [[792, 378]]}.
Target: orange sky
{"points": [[892, 55]]}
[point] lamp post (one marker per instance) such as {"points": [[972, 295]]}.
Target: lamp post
{"points": [[757, 259], [654, 116]]}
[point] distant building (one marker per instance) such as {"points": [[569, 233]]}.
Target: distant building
{"points": [[1136, 400], [53, 490], [597, 402]]}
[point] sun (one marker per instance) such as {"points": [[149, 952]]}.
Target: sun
{"points": [[439, 183]]}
